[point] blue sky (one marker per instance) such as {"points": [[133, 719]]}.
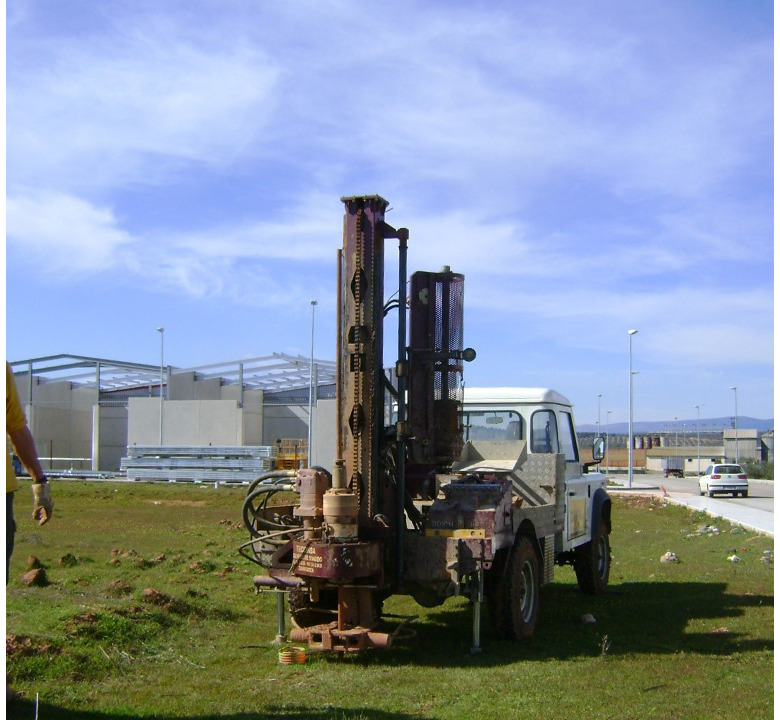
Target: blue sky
{"points": [[590, 167]]}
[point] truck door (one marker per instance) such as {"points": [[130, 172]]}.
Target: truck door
{"points": [[577, 487]]}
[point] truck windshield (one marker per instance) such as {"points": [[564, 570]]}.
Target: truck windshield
{"points": [[493, 425]]}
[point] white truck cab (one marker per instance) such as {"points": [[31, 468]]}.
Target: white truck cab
{"points": [[543, 420], [540, 416]]}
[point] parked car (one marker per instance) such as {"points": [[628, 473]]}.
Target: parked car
{"points": [[724, 479]]}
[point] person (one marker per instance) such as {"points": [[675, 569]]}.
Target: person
{"points": [[24, 445]]}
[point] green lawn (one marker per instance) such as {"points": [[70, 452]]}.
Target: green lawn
{"points": [[155, 615]]}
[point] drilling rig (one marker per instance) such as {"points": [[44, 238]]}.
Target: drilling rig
{"points": [[410, 507]]}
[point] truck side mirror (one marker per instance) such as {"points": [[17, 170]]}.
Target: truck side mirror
{"points": [[598, 448]]}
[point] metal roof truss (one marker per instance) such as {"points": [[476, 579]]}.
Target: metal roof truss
{"points": [[272, 373]]}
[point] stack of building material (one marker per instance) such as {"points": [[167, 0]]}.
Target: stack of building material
{"points": [[292, 453], [223, 464]]}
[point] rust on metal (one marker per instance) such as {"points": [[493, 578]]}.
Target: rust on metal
{"points": [[336, 561], [362, 314], [329, 637]]}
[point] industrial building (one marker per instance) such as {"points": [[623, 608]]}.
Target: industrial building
{"points": [[85, 413]]}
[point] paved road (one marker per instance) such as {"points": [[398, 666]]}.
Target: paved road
{"points": [[755, 512]]}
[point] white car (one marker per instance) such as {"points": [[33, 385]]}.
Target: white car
{"points": [[724, 479]]}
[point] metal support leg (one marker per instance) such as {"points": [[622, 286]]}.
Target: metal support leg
{"points": [[478, 597], [281, 635]]}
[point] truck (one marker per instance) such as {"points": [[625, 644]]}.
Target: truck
{"points": [[674, 466], [437, 490]]}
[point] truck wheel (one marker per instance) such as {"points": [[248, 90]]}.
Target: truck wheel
{"points": [[592, 562], [516, 600]]}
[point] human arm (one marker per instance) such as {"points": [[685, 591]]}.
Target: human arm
{"points": [[24, 446]]}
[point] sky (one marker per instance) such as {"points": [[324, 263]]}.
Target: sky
{"points": [[590, 166]]}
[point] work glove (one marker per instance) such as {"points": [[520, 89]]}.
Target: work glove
{"points": [[43, 507]]}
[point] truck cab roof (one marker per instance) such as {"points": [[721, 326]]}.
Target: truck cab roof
{"points": [[513, 396]]}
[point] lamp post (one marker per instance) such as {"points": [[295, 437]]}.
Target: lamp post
{"points": [[609, 412], [311, 384], [598, 417], [736, 426], [598, 424], [698, 441], [161, 330], [631, 334]]}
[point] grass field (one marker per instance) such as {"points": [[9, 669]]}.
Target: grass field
{"points": [[150, 612]]}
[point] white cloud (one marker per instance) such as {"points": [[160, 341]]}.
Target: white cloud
{"points": [[129, 107], [309, 231], [67, 235]]}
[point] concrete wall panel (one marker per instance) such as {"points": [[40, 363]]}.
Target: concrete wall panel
{"points": [[185, 422], [83, 397], [220, 423], [230, 392], [181, 422], [284, 421], [112, 437], [143, 421], [253, 425], [210, 389], [181, 386], [324, 450], [64, 433]]}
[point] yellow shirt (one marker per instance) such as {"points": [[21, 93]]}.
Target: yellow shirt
{"points": [[14, 420]]}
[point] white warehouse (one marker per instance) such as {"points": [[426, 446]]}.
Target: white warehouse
{"points": [[86, 412]]}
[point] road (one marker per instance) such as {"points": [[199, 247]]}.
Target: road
{"points": [[755, 511], [761, 495]]}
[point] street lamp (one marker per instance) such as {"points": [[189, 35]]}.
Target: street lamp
{"points": [[598, 418], [736, 426], [161, 330], [609, 412], [311, 383], [698, 442], [631, 334]]}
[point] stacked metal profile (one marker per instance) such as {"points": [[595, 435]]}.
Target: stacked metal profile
{"points": [[184, 463]]}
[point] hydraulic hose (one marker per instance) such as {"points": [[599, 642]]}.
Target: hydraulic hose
{"points": [[256, 503], [265, 477]]}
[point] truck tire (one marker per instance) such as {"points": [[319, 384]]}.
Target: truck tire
{"points": [[516, 598], [592, 562]]}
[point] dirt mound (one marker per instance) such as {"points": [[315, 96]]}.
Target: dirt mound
{"points": [[20, 646], [119, 587]]}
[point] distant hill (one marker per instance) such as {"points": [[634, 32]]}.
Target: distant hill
{"points": [[669, 426]]}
